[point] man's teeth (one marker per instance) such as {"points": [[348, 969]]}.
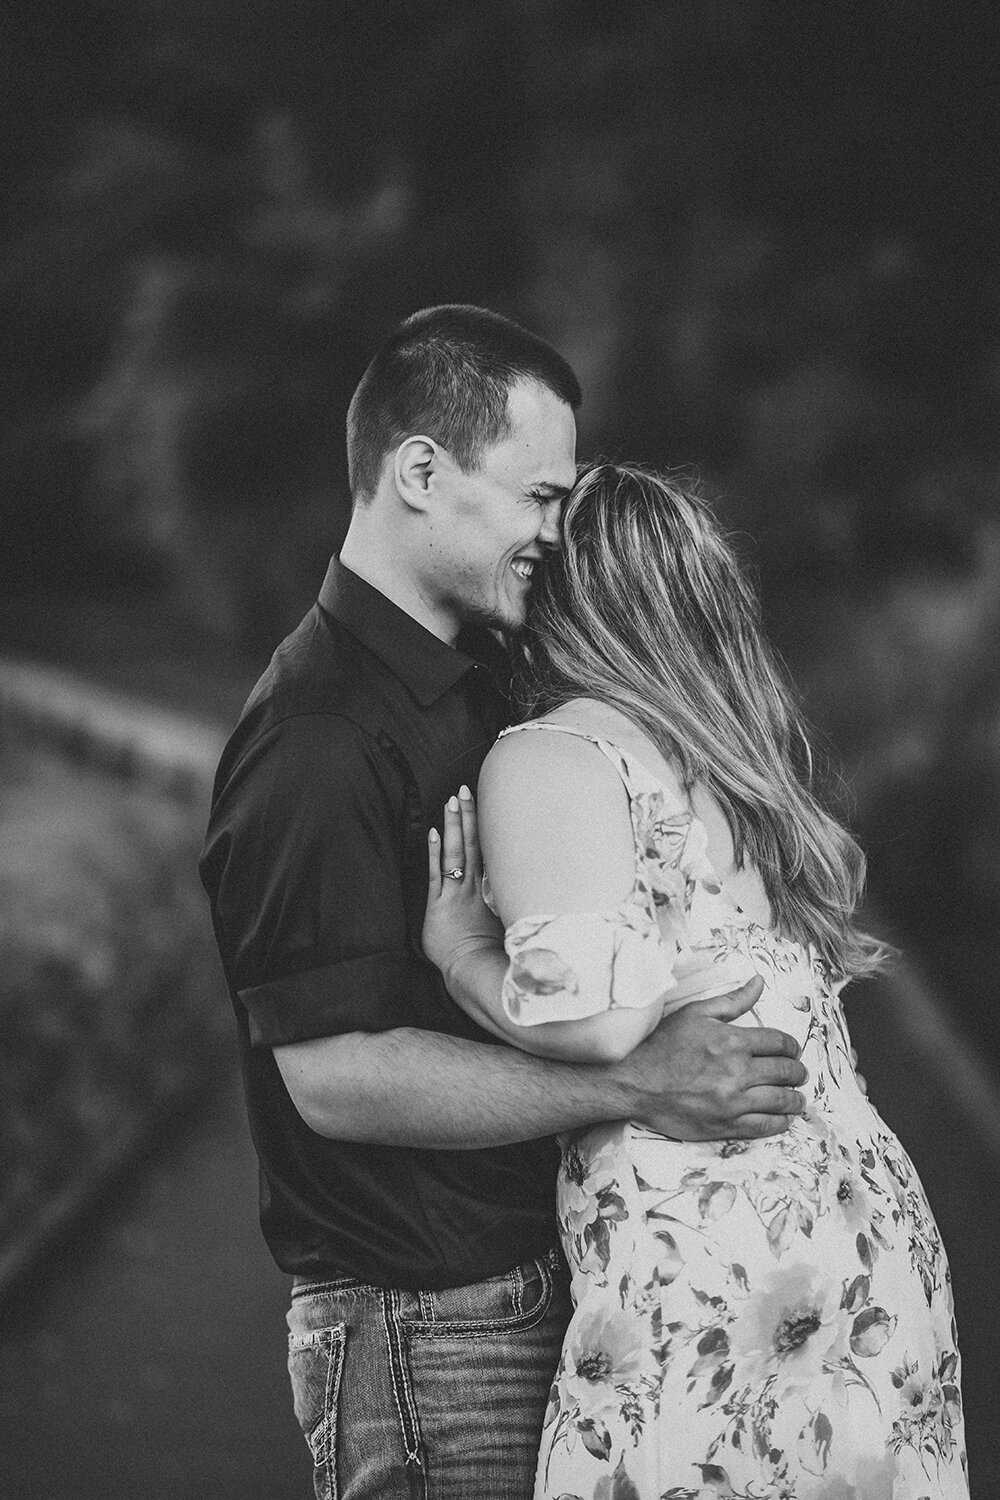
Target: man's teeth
{"points": [[522, 567]]}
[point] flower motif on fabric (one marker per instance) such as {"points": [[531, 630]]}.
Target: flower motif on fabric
{"points": [[567, 966], [667, 837], [603, 1353], [591, 1202], [930, 1409], [671, 846], [539, 971], [606, 1382], [793, 1329]]}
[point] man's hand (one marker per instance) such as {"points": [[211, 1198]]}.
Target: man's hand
{"points": [[698, 1078]]}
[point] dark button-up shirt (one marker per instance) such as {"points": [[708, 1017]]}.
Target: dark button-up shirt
{"points": [[316, 866]]}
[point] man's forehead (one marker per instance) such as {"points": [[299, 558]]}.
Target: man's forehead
{"points": [[530, 401], [542, 440]]}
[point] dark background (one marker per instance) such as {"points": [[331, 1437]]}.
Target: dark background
{"points": [[765, 235]]}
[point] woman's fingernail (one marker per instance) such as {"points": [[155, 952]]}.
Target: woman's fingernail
{"points": [[453, 804], [433, 836], [465, 794]]}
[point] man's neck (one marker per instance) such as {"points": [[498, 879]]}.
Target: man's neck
{"points": [[364, 554]]}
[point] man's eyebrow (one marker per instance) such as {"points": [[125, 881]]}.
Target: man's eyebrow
{"points": [[556, 491]]}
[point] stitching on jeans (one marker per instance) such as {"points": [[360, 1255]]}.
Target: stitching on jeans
{"points": [[484, 1330], [516, 1290], [318, 1288], [404, 1378], [387, 1311], [334, 1368], [408, 1424], [312, 1338]]}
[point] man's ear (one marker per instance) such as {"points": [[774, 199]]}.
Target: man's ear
{"points": [[416, 464]]}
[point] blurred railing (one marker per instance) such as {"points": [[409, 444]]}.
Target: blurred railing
{"points": [[171, 754], [112, 1011]]}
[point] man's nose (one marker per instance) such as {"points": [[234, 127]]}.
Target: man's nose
{"points": [[549, 532]]}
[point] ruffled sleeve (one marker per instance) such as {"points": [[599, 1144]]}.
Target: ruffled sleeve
{"points": [[565, 967], [660, 944]]}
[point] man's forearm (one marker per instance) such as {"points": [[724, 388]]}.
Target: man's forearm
{"points": [[420, 1088], [695, 1077]]}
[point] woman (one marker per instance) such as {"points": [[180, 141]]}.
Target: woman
{"points": [[766, 1318]]}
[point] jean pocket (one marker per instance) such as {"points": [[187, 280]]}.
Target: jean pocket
{"points": [[517, 1300], [315, 1366]]}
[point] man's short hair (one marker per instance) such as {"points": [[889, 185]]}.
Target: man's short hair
{"points": [[446, 373]]}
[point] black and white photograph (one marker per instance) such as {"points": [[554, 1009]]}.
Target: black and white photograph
{"points": [[500, 750]]}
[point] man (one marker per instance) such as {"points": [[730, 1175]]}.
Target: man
{"points": [[407, 1165]]}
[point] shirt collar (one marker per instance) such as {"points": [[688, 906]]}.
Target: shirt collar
{"points": [[425, 664]]}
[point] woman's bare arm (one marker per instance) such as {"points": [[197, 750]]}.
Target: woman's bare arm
{"points": [[557, 827], [475, 965]]}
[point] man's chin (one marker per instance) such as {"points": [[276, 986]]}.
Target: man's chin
{"points": [[508, 626]]}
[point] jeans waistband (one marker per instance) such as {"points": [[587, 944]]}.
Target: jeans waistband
{"points": [[550, 1258]]}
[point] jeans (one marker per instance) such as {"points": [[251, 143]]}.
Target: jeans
{"points": [[408, 1395]]}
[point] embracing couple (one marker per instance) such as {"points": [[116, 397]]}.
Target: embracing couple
{"points": [[724, 1279]]}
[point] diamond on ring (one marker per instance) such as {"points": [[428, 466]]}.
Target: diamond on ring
{"points": [[456, 874]]}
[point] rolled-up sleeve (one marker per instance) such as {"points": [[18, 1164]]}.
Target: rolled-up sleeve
{"points": [[304, 862]]}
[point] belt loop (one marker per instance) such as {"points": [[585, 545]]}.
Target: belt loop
{"points": [[406, 1410]]}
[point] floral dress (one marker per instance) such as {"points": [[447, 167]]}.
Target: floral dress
{"points": [[767, 1319]]}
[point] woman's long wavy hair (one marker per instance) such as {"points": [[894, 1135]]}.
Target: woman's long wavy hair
{"points": [[645, 608]]}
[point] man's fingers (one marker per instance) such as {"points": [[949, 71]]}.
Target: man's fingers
{"points": [[752, 1127], [771, 1070], [775, 1101], [765, 1041], [433, 864], [735, 1003]]}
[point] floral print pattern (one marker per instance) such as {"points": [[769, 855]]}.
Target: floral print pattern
{"points": [[755, 1320]]}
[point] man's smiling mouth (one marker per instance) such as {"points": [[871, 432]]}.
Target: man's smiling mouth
{"points": [[523, 567]]}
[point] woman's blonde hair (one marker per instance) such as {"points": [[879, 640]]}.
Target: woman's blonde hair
{"points": [[645, 608]]}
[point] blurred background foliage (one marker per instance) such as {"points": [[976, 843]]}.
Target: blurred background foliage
{"points": [[765, 235]]}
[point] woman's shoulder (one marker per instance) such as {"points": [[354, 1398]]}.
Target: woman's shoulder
{"points": [[591, 719], [542, 742], [540, 760], [550, 796]]}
